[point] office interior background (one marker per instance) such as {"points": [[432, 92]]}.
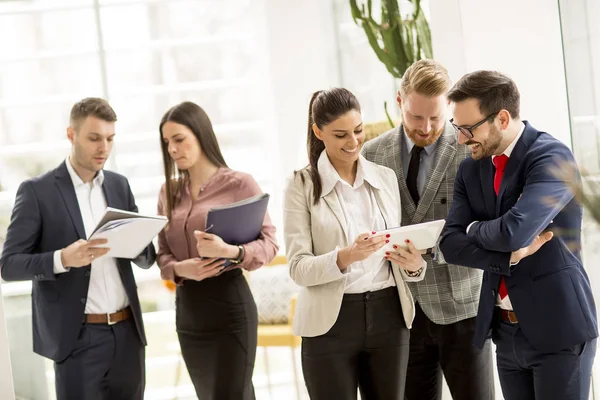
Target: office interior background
{"points": [[252, 64]]}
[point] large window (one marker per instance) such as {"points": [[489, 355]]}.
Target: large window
{"points": [[581, 42]]}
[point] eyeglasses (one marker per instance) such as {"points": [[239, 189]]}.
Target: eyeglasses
{"points": [[468, 130]]}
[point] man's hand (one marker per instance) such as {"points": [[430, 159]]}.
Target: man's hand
{"points": [[363, 247], [198, 269], [409, 259], [537, 243], [209, 245], [82, 253]]}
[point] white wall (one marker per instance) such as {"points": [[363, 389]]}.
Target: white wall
{"points": [[303, 59], [521, 38], [6, 383]]}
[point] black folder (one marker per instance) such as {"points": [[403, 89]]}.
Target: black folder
{"points": [[240, 222]]}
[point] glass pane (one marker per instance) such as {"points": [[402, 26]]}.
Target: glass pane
{"points": [[140, 23], [227, 58], [31, 79], [361, 71], [226, 105], [14, 6], [581, 44], [34, 124]]}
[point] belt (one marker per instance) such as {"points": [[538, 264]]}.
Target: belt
{"points": [[508, 316], [109, 319]]}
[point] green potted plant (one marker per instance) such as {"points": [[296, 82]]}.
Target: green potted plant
{"points": [[398, 38]]}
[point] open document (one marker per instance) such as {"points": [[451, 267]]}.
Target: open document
{"points": [[423, 236], [128, 233]]}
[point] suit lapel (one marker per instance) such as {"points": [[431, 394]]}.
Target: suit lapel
{"points": [[67, 192], [444, 154], [486, 175], [394, 153], [109, 194], [333, 202]]}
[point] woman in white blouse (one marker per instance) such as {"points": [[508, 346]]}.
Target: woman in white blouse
{"points": [[354, 311]]}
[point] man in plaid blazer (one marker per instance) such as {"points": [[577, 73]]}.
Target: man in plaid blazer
{"points": [[448, 297]]}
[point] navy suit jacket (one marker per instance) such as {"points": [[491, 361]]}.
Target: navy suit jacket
{"points": [[549, 290], [46, 218]]}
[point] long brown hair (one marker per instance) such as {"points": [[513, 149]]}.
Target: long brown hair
{"points": [[325, 107], [196, 120]]}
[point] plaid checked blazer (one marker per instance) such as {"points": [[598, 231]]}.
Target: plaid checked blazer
{"points": [[449, 293]]}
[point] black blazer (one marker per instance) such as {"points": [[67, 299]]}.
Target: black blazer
{"points": [[46, 218], [550, 290]]}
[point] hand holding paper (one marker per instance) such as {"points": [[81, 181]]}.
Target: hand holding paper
{"points": [[81, 253], [127, 233]]}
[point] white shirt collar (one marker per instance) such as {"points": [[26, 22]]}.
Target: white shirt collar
{"points": [[512, 145], [77, 181], [330, 177]]}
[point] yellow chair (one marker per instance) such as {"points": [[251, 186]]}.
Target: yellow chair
{"points": [[280, 336]]}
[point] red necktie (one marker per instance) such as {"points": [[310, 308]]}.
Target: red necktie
{"points": [[500, 163]]}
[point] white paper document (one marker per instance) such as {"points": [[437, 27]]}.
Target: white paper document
{"points": [[423, 236], [128, 233]]}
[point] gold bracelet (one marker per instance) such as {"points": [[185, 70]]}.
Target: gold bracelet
{"points": [[415, 273]]}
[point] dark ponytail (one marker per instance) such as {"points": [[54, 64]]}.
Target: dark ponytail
{"points": [[325, 107]]}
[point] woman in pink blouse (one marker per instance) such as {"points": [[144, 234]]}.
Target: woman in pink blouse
{"points": [[216, 315]]}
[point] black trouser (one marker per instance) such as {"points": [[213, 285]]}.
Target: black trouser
{"points": [[107, 363], [367, 348], [449, 349], [528, 374], [216, 323]]}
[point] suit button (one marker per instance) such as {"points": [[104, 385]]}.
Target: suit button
{"points": [[41, 276], [443, 200], [87, 273], [493, 293], [82, 300]]}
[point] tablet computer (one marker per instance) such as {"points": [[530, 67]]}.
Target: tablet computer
{"points": [[423, 236]]}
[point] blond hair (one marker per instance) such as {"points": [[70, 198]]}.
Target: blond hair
{"points": [[426, 77]]}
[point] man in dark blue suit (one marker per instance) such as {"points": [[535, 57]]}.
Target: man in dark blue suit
{"points": [[516, 220], [86, 312]]}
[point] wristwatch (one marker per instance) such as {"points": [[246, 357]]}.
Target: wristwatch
{"points": [[240, 256]]}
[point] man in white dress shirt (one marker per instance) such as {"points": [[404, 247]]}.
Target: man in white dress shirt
{"points": [[86, 312]]}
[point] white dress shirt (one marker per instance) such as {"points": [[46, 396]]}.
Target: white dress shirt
{"points": [[362, 214], [106, 293], [505, 303]]}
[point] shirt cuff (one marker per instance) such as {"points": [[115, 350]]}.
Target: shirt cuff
{"points": [[58, 265], [470, 225], [334, 265]]}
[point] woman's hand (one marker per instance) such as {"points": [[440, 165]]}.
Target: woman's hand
{"points": [[364, 245], [409, 259], [209, 245], [198, 269]]}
